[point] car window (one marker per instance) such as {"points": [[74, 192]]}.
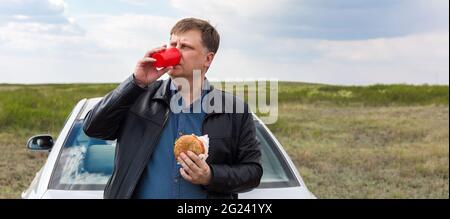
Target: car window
{"points": [[86, 163], [276, 171]]}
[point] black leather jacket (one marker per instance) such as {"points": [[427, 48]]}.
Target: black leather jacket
{"points": [[136, 117]]}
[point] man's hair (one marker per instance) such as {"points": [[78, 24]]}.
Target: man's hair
{"points": [[210, 36]]}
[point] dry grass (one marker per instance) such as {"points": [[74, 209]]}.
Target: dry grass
{"points": [[370, 152], [17, 165]]}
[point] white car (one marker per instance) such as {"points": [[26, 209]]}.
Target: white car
{"points": [[79, 166]]}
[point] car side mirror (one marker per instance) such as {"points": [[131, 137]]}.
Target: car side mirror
{"points": [[40, 143]]}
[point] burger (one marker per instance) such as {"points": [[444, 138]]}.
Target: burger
{"points": [[192, 143]]}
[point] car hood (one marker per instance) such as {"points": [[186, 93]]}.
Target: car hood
{"points": [[278, 193], [73, 194], [270, 193]]}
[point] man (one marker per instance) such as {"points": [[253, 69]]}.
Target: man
{"points": [[141, 114]]}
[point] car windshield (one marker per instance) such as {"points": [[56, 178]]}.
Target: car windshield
{"points": [[86, 163]]}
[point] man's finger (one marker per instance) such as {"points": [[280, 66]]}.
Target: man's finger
{"points": [[150, 52], [148, 59], [190, 163], [199, 162], [186, 167], [185, 175]]}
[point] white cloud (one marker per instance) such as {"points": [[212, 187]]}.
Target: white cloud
{"points": [[31, 25], [34, 9], [419, 47], [105, 48], [231, 9], [233, 15], [324, 19], [421, 58], [107, 52], [136, 2], [267, 39], [127, 31]]}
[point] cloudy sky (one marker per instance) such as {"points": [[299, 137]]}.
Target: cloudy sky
{"points": [[325, 41]]}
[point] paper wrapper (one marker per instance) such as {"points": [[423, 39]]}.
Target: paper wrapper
{"points": [[205, 141]]}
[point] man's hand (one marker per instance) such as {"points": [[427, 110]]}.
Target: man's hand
{"points": [[194, 169], [145, 73]]}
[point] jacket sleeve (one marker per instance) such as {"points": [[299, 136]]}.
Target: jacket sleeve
{"points": [[104, 120], [247, 172]]}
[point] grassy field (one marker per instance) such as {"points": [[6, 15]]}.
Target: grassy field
{"points": [[381, 141]]}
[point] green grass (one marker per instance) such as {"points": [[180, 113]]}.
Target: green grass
{"points": [[381, 141], [42, 107], [376, 95]]}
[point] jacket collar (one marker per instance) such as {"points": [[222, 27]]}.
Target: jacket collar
{"points": [[164, 91], [228, 101]]}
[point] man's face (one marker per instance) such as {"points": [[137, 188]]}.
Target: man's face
{"points": [[194, 56]]}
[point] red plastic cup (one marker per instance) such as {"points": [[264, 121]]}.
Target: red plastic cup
{"points": [[168, 57]]}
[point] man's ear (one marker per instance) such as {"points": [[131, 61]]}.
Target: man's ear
{"points": [[209, 59]]}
